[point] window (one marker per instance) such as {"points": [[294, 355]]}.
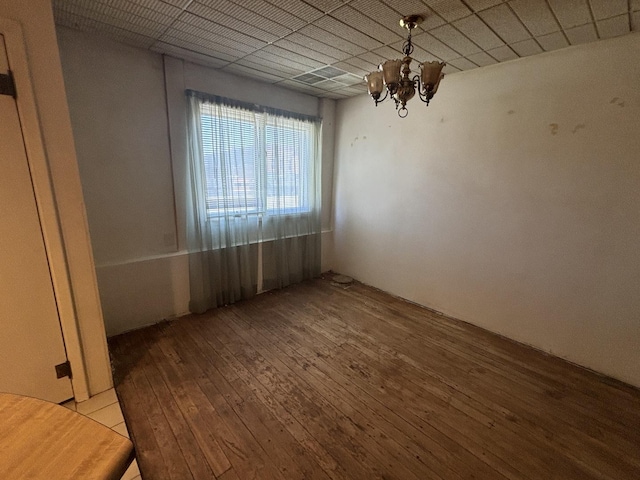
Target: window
{"points": [[257, 162]]}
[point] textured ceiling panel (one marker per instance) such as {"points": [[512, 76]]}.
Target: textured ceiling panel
{"points": [[187, 54], [553, 41], [505, 24], [478, 5], [613, 27], [608, 8], [300, 9], [462, 63], [526, 48], [338, 42], [335, 42], [482, 59], [267, 65], [252, 72], [479, 32], [502, 54], [571, 13], [347, 32], [212, 30], [450, 36], [536, 16], [317, 46], [267, 31], [582, 34], [72, 20], [364, 24], [435, 46], [302, 50], [381, 12], [450, 10]]}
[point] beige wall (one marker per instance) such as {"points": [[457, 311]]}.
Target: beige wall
{"points": [[83, 316], [512, 202], [128, 112]]}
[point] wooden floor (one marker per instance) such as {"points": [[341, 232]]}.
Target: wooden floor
{"points": [[317, 381]]}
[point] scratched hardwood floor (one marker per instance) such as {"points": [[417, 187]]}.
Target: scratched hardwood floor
{"points": [[321, 382]]}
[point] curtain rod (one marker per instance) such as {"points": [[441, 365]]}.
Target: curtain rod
{"points": [[252, 107]]}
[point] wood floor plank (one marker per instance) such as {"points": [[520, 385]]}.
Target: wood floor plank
{"points": [[322, 382]]}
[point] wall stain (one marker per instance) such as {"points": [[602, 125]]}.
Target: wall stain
{"points": [[617, 101], [554, 128], [579, 126], [354, 141], [511, 112]]}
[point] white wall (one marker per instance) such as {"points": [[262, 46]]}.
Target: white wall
{"points": [[512, 202], [82, 319], [128, 110]]}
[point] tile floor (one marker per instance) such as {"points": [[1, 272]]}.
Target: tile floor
{"points": [[104, 408]]}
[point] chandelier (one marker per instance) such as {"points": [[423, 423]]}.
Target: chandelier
{"points": [[395, 75]]}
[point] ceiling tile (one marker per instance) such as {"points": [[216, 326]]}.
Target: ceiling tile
{"points": [[552, 41], [299, 49], [387, 52], [301, 87], [434, 46], [72, 20], [354, 69], [348, 79], [373, 58], [269, 66], [571, 13], [450, 10], [582, 34], [536, 16], [317, 46], [635, 5], [252, 73], [345, 31], [299, 8], [608, 8], [478, 5], [363, 65], [482, 59], [477, 30], [613, 27], [526, 47], [215, 31], [502, 54], [267, 31], [119, 14], [462, 63], [635, 21], [286, 54], [503, 21], [198, 46], [454, 39], [364, 24], [260, 7], [380, 12], [331, 39], [189, 55], [449, 69]]}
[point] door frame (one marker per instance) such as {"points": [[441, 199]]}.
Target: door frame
{"points": [[46, 204]]}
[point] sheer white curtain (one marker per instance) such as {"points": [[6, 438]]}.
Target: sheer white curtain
{"points": [[254, 179]]}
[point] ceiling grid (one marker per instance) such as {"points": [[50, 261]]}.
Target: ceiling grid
{"points": [[323, 47]]}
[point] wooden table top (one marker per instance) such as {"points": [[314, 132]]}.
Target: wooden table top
{"points": [[42, 440]]}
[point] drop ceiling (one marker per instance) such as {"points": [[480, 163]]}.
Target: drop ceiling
{"points": [[324, 47]]}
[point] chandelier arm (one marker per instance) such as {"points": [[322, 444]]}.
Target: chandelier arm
{"points": [[423, 91], [380, 100]]}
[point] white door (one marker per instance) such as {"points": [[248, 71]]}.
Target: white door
{"points": [[31, 342]]}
